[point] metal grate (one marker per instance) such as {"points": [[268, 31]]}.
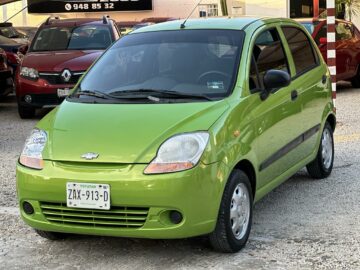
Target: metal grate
{"points": [[116, 217]]}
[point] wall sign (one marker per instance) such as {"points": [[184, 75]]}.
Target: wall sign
{"points": [[65, 6]]}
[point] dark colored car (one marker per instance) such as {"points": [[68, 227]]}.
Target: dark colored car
{"points": [[59, 54], [6, 82], [347, 47], [7, 30]]}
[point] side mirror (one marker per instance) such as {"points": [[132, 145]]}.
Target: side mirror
{"points": [[274, 79], [323, 41]]}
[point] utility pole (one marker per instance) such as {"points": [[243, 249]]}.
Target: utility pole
{"points": [[331, 43]]}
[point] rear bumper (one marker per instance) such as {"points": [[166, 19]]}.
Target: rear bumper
{"points": [[196, 194]]}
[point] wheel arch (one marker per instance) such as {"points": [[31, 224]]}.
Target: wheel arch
{"points": [[331, 119], [247, 167]]}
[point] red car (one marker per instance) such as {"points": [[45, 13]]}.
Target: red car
{"points": [[59, 54], [347, 47], [5, 75]]}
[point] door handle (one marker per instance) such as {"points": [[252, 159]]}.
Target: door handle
{"points": [[294, 95]]}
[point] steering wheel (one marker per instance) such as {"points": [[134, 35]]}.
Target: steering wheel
{"points": [[212, 73]]}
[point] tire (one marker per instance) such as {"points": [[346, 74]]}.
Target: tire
{"points": [[322, 166], [26, 112], [54, 236], [355, 82], [224, 238]]}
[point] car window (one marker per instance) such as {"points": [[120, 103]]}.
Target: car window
{"points": [[343, 31], [268, 53], [301, 49], [89, 37]]}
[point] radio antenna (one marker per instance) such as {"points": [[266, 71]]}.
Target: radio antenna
{"points": [[182, 26]]}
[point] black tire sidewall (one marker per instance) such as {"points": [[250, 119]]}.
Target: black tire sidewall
{"points": [[326, 171], [237, 177]]}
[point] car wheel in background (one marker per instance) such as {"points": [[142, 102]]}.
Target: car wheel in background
{"points": [[235, 215], [26, 112], [355, 82], [322, 166]]}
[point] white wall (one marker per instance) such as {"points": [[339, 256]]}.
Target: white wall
{"points": [[271, 8]]}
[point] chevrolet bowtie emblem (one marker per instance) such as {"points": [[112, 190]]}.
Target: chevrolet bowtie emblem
{"points": [[90, 156]]}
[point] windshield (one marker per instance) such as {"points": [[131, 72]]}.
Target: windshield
{"points": [[89, 37], [189, 62]]}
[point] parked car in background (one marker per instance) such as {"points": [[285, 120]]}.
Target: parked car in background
{"points": [[7, 30], [158, 19], [125, 27], [6, 81], [14, 53], [28, 32], [58, 56], [347, 47], [176, 131]]}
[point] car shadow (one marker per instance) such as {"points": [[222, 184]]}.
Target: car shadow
{"points": [[8, 103]]}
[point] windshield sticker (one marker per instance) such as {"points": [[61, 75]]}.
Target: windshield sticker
{"points": [[216, 85]]}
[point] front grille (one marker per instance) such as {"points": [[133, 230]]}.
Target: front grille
{"points": [[116, 217], [56, 78]]}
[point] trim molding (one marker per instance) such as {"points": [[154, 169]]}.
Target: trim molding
{"points": [[289, 147]]}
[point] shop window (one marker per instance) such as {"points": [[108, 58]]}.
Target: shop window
{"points": [[208, 10]]}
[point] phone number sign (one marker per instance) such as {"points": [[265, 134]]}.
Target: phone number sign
{"points": [[58, 6]]}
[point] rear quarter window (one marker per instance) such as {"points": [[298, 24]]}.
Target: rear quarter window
{"points": [[301, 49]]}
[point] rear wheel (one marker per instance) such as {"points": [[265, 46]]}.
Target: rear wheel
{"points": [[26, 112], [322, 166], [51, 235], [235, 215], [355, 82]]}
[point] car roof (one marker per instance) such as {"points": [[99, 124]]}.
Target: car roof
{"points": [[228, 23], [73, 22]]}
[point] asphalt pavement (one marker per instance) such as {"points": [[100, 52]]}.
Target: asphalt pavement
{"points": [[303, 224]]}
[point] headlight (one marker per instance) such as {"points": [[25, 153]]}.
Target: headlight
{"points": [[29, 73], [31, 155], [179, 153]]}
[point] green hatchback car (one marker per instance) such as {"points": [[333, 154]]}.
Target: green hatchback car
{"points": [[177, 130]]}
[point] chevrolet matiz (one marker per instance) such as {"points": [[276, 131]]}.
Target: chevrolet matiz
{"points": [[177, 130]]}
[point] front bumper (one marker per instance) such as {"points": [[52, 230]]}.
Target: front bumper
{"points": [[42, 93], [196, 194]]}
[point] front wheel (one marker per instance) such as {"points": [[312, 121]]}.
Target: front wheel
{"points": [[51, 235], [235, 215], [26, 112], [322, 166], [355, 82]]}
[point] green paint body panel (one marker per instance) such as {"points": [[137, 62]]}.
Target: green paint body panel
{"points": [[127, 137]]}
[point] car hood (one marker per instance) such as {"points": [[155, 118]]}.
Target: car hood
{"points": [[122, 133], [58, 61]]}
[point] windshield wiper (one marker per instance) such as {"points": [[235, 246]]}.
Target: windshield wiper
{"points": [[121, 93], [92, 93]]}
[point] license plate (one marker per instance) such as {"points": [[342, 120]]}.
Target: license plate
{"points": [[63, 92], [90, 196]]}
